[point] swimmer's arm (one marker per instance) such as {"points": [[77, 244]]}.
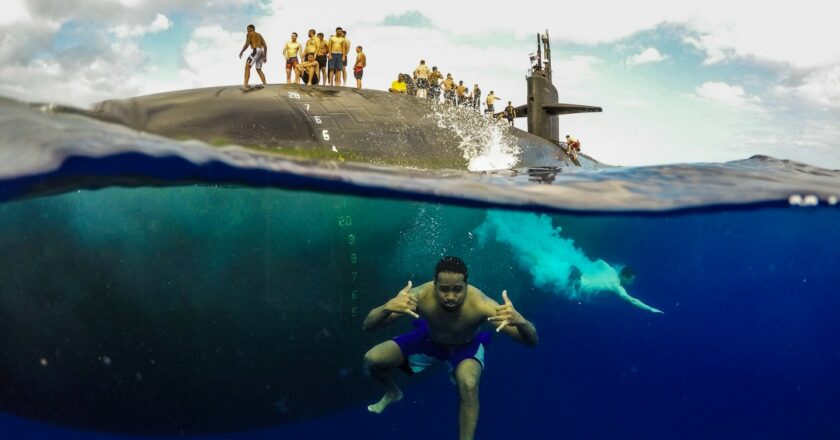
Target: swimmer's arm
{"points": [[404, 303], [515, 325]]}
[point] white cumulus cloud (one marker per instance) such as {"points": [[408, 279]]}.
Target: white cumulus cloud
{"points": [[723, 93], [649, 55], [160, 23]]}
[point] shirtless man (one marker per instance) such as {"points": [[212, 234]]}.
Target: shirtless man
{"points": [[312, 44], [421, 77], [359, 66], [308, 70], [452, 312], [344, 58], [292, 51], [336, 48], [259, 54], [321, 57]]}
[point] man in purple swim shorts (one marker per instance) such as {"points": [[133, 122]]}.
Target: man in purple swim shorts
{"points": [[452, 312]]}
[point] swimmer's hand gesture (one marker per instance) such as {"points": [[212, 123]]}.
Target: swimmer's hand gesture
{"points": [[404, 303], [506, 315]]}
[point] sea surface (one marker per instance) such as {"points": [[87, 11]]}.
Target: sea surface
{"points": [[151, 288]]}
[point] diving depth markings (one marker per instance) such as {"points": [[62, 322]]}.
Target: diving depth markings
{"points": [[345, 223], [325, 133]]}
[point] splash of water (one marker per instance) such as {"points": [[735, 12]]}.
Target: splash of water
{"points": [[553, 261], [486, 143]]}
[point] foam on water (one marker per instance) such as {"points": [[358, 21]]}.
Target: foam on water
{"points": [[486, 142]]}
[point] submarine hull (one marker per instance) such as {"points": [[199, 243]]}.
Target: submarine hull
{"points": [[331, 123]]}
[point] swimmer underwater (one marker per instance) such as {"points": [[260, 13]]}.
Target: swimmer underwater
{"points": [[449, 314]]}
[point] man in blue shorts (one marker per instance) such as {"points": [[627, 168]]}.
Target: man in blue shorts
{"points": [[449, 314]]}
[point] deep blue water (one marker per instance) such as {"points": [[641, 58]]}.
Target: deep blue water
{"points": [[747, 347]]}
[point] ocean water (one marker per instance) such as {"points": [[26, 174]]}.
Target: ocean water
{"points": [[152, 288]]}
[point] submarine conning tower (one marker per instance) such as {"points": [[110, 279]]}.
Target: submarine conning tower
{"points": [[543, 108]]}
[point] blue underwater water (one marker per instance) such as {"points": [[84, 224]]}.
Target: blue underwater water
{"points": [[155, 287]]}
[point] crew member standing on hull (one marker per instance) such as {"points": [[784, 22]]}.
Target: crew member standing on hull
{"points": [[292, 53], [449, 89], [359, 66], [336, 47], [476, 98], [434, 84], [321, 57], [346, 50], [312, 44], [449, 314], [491, 99], [421, 78], [259, 54], [510, 113]]}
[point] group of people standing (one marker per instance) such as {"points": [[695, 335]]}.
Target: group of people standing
{"points": [[430, 84], [319, 61]]}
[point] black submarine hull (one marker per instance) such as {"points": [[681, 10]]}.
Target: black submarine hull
{"points": [[337, 123]]}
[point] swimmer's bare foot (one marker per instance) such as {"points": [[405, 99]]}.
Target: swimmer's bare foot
{"points": [[389, 398]]}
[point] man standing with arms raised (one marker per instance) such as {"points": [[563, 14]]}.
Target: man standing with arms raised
{"points": [[451, 313], [259, 54]]}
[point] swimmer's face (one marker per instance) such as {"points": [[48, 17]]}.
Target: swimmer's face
{"points": [[450, 290]]}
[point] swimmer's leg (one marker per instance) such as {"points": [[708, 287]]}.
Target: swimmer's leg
{"points": [[626, 296], [467, 376], [379, 360]]}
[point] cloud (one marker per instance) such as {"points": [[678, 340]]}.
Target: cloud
{"points": [[723, 93], [820, 86], [408, 19], [649, 55], [160, 23]]}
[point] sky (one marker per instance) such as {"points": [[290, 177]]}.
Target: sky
{"points": [[679, 82]]}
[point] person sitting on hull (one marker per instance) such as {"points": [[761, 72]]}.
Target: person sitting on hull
{"points": [[308, 70], [449, 314], [259, 54], [398, 86]]}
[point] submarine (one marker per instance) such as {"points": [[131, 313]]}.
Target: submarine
{"points": [[342, 123], [195, 309]]}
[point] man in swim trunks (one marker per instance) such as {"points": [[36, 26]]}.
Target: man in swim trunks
{"points": [[460, 92], [359, 66], [312, 44], [336, 53], [259, 54], [491, 99], [434, 84], [476, 98], [292, 51], [510, 113], [344, 58], [449, 89], [421, 77], [321, 57], [308, 70], [452, 312]]}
